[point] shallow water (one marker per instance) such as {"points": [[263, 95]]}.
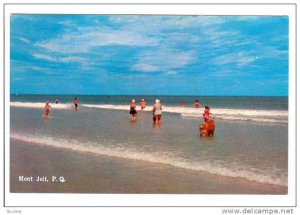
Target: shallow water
{"points": [[246, 149]]}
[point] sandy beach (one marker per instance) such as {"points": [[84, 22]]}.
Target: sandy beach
{"points": [[91, 173]]}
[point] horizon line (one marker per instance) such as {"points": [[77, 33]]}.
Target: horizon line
{"points": [[67, 94]]}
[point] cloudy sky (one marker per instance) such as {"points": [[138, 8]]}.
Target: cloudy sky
{"points": [[149, 55]]}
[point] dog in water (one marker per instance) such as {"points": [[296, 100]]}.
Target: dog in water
{"points": [[207, 128]]}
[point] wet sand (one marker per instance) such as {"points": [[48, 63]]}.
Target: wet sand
{"points": [[91, 173]]}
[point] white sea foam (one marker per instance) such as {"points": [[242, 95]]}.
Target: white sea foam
{"points": [[261, 116], [39, 105], [252, 174], [109, 107]]}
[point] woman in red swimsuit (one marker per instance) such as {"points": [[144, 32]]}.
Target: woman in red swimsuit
{"points": [[47, 109], [143, 104]]}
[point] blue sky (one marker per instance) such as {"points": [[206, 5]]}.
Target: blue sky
{"points": [[149, 55]]}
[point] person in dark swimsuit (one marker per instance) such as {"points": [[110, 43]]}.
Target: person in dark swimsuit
{"points": [[75, 104], [133, 111]]}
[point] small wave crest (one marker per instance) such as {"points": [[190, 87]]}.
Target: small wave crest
{"points": [[160, 158], [39, 105], [262, 116], [109, 107]]}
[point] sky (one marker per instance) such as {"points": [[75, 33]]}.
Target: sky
{"points": [[149, 55]]}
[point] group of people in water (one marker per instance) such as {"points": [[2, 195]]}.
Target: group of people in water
{"points": [[156, 109], [196, 104], [48, 106]]}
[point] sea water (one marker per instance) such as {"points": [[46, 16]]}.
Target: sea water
{"points": [[250, 141]]}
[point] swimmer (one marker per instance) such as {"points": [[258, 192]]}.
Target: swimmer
{"points": [[56, 101], [132, 111], [75, 103], [157, 111], [47, 109], [206, 113], [143, 104], [196, 104], [181, 104]]}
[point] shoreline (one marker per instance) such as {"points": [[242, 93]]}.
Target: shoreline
{"points": [[90, 173]]}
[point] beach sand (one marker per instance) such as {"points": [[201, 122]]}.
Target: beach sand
{"points": [[91, 173]]}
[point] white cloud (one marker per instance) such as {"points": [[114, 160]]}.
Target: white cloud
{"points": [[159, 40], [166, 22], [24, 40], [243, 61], [87, 38], [171, 73], [180, 59], [71, 59], [59, 59], [273, 52], [239, 58], [36, 68], [131, 31], [145, 67], [222, 73], [67, 23], [163, 59], [18, 66], [24, 67], [247, 18], [44, 57]]}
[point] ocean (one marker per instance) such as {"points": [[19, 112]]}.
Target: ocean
{"points": [[250, 141]]}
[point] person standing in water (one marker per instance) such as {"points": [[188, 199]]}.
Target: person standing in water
{"points": [[143, 104], [157, 111], [133, 111], [47, 109], [206, 113], [75, 104], [196, 104]]}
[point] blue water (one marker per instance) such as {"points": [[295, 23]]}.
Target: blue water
{"points": [[238, 102], [250, 142]]}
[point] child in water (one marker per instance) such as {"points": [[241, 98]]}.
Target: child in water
{"points": [[133, 110], [47, 109], [206, 113]]}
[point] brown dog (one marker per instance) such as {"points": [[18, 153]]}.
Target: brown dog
{"points": [[207, 128]]}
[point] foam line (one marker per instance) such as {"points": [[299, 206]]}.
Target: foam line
{"points": [[261, 116], [248, 173], [39, 105]]}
